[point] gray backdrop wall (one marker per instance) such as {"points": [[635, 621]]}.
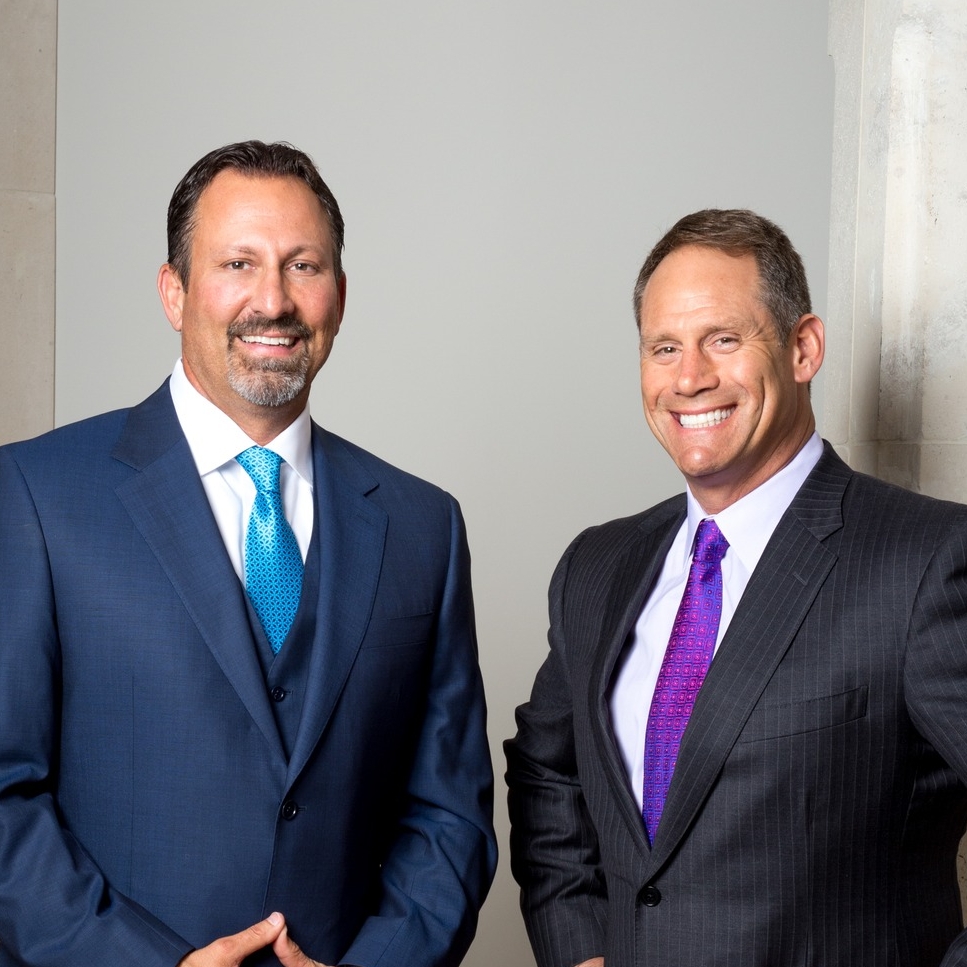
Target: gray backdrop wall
{"points": [[503, 168]]}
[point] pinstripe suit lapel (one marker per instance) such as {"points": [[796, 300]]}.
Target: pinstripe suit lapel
{"points": [[634, 576], [780, 593]]}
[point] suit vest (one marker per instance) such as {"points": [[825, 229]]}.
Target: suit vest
{"points": [[286, 673]]}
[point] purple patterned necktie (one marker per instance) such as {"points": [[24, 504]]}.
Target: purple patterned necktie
{"points": [[683, 668]]}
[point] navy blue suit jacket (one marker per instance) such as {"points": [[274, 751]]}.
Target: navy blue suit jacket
{"points": [[142, 776]]}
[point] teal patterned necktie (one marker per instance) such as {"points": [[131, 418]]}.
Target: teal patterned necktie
{"points": [[273, 562]]}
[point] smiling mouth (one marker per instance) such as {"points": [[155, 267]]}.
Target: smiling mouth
{"points": [[283, 333], [700, 421], [269, 340]]}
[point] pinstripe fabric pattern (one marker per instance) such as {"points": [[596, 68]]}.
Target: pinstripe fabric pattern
{"points": [[814, 814]]}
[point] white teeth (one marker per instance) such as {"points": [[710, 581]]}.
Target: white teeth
{"points": [[693, 421], [269, 340]]}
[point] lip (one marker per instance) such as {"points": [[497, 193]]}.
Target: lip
{"points": [[269, 339], [269, 344], [706, 419]]}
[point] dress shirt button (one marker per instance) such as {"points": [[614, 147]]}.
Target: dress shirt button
{"points": [[278, 693], [290, 809], [650, 896]]}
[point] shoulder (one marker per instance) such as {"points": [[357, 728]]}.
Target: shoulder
{"points": [[880, 526], [867, 498], [605, 552], [836, 498], [612, 538], [68, 446], [385, 484], [93, 441]]}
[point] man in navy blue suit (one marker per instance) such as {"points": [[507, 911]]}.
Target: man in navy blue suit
{"points": [[183, 781]]}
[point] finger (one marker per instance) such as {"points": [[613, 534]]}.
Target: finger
{"points": [[289, 952], [231, 951]]}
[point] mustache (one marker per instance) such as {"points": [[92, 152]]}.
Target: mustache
{"points": [[287, 326]]}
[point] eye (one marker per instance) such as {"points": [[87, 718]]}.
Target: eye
{"points": [[237, 264], [305, 267]]}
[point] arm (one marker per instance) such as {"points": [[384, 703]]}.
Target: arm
{"points": [[935, 682], [554, 846], [440, 865], [56, 908]]}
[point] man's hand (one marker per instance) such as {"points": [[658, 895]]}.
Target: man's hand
{"points": [[289, 953], [231, 951], [596, 962]]}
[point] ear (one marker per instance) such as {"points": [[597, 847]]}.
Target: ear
{"points": [[807, 343], [172, 294], [342, 299]]}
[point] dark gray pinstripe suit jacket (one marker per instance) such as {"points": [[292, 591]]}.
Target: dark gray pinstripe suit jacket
{"points": [[814, 815]]}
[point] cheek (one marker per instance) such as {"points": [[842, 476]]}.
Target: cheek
{"points": [[220, 300], [652, 387]]}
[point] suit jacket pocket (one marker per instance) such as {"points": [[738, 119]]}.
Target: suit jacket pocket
{"points": [[407, 629], [795, 718]]}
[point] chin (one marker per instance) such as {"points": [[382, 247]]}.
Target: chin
{"points": [[276, 389]]}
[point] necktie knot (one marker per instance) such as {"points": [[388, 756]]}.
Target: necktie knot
{"points": [[262, 465], [710, 543]]}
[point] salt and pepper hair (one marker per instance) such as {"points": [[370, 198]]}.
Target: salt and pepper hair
{"points": [[783, 288], [259, 160]]}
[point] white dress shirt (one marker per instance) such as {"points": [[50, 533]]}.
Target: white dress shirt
{"points": [[215, 440], [747, 525]]}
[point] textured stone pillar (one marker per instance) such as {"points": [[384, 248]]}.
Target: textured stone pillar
{"points": [[896, 373], [895, 400], [28, 52]]}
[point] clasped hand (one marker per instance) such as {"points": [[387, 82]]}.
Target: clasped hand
{"points": [[231, 951]]}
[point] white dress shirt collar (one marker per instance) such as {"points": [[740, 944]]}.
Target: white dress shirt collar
{"points": [[215, 439], [749, 523]]}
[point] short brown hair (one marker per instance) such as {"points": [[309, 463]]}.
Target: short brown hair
{"points": [[737, 231], [256, 158]]}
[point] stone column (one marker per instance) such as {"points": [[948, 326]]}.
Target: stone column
{"points": [[28, 52], [895, 399], [895, 402]]}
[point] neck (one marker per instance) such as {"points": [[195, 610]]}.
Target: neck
{"points": [[717, 492], [263, 427]]}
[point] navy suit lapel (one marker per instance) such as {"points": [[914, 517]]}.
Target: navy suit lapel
{"points": [[635, 575], [352, 535], [783, 587], [168, 504]]}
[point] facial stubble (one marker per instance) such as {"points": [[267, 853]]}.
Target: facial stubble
{"points": [[268, 381]]}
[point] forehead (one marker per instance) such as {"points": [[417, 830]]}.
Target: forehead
{"points": [[699, 280], [237, 202]]}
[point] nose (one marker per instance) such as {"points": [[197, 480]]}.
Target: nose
{"points": [[695, 372], [272, 297]]}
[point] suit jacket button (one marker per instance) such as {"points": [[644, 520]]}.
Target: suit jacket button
{"points": [[289, 809], [278, 693], [650, 896]]}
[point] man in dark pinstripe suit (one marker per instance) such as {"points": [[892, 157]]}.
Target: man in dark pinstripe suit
{"points": [[818, 797]]}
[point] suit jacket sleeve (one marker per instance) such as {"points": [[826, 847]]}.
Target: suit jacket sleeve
{"points": [[56, 909], [935, 673], [441, 863], [554, 846]]}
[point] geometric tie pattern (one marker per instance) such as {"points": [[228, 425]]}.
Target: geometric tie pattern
{"points": [[273, 562], [687, 657]]}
